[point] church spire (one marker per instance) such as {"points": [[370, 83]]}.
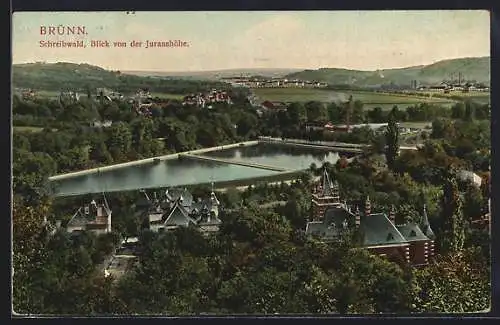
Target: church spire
{"points": [[213, 197], [327, 185], [426, 226]]}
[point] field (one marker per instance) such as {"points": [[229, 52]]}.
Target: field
{"points": [[370, 99], [167, 96], [477, 96]]}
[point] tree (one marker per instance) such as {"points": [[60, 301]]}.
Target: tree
{"points": [[458, 110], [316, 111], [474, 202], [453, 283], [29, 254], [297, 113], [88, 91], [376, 115], [470, 110], [392, 140], [453, 232], [119, 140]]}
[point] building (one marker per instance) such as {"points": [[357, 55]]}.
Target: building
{"points": [[177, 208], [202, 100], [411, 243], [273, 106], [468, 176], [101, 124], [71, 96], [91, 217], [28, 94]]}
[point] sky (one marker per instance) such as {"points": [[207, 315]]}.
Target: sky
{"points": [[361, 40]]}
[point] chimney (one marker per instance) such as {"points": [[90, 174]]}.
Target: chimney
{"points": [[358, 217], [58, 224], [392, 215], [368, 206], [108, 226]]}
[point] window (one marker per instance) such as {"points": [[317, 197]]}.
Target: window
{"points": [[413, 233], [390, 236]]}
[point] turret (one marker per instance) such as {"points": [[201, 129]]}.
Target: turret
{"points": [[426, 226], [392, 215], [213, 197], [368, 206], [358, 217], [335, 192]]}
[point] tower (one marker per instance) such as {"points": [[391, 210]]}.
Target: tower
{"points": [[426, 228], [108, 213], [358, 217], [368, 206], [326, 195], [392, 215], [214, 202]]}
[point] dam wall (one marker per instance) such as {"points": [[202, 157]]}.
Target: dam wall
{"points": [[226, 161], [147, 160]]}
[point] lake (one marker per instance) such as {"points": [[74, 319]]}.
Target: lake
{"points": [[186, 172]]}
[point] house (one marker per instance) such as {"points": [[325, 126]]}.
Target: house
{"points": [[329, 126], [274, 106], [143, 93], [108, 94], [101, 124], [441, 87], [91, 217], [267, 105], [340, 128], [410, 243], [177, 208], [28, 94], [468, 176], [69, 95], [200, 100]]}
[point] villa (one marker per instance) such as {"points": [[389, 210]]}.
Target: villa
{"points": [[411, 242], [177, 208], [91, 217]]}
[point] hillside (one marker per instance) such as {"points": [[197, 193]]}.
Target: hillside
{"points": [[80, 77], [471, 68], [215, 74]]}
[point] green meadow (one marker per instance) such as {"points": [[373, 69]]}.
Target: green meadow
{"points": [[369, 99]]}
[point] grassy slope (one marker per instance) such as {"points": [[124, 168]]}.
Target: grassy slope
{"points": [[25, 75], [59, 76], [370, 99], [215, 74], [472, 68]]}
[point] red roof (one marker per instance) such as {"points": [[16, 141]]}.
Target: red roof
{"points": [[268, 104]]}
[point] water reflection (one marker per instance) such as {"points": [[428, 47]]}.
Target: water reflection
{"points": [[178, 172], [285, 156]]}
